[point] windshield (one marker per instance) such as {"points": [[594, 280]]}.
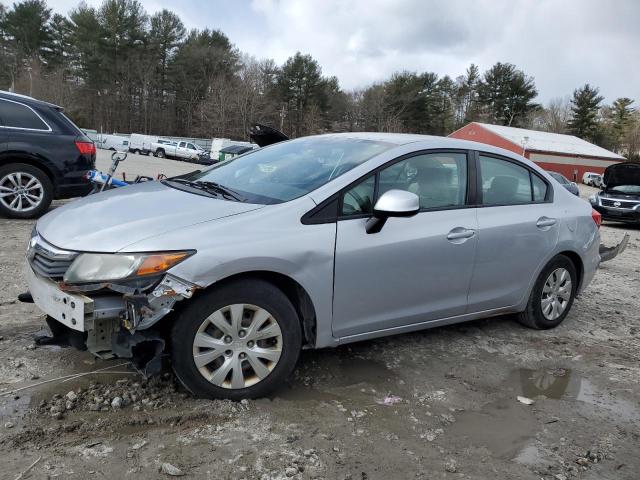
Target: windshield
{"points": [[626, 189], [288, 170]]}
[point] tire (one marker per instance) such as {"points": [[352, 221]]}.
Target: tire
{"points": [[33, 201], [546, 296], [160, 154], [201, 318]]}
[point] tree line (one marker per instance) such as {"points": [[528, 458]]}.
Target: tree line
{"points": [[118, 69]]}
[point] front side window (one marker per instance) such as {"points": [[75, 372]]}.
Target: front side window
{"points": [[191, 146], [359, 199], [16, 115], [504, 183], [288, 170], [439, 179]]}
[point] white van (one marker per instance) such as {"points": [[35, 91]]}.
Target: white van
{"points": [[139, 143], [591, 178], [113, 142]]}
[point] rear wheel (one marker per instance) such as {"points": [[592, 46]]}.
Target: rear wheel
{"points": [[160, 154], [552, 296], [25, 191], [241, 340]]}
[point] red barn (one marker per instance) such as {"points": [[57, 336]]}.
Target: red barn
{"points": [[565, 154]]}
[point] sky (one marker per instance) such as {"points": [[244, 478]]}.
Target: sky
{"points": [[563, 44]]}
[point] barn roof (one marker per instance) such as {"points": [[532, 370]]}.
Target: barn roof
{"points": [[550, 142]]}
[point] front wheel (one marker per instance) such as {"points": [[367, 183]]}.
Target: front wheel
{"points": [[240, 340], [552, 295]]}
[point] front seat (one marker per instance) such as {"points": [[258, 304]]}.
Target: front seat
{"points": [[503, 190]]}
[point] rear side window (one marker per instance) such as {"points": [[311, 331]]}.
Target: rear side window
{"points": [[17, 115], [506, 183], [539, 188]]}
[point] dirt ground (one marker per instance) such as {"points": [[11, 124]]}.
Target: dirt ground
{"points": [[441, 403]]}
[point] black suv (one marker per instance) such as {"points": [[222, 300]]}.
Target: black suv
{"points": [[43, 156]]}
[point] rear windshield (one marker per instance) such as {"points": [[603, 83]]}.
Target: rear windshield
{"points": [[287, 170], [70, 124]]}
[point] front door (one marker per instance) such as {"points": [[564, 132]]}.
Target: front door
{"points": [[415, 269]]}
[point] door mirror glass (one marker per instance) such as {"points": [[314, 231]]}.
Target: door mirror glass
{"points": [[393, 203]]}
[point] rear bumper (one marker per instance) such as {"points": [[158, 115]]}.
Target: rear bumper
{"points": [[73, 190], [609, 253]]}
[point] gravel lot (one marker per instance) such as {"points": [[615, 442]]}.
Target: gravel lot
{"points": [[441, 403]]}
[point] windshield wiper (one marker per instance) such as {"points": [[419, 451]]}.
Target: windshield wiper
{"points": [[211, 187], [229, 192]]}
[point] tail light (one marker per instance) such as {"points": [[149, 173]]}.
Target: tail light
{"points": [[597, 218], [86, 148]]}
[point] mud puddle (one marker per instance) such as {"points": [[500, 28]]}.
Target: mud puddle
{"points": [[506, 426]]}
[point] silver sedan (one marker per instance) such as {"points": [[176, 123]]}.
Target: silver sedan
{"points": [[310, 243]]}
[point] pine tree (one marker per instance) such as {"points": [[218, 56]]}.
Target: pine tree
{"points": [[507, 94], [585, 105]]}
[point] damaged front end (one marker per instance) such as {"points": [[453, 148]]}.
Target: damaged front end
{"points": [[109, 318]]}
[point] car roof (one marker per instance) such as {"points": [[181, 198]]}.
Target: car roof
{"points": [[27, 100], [429, 142]]}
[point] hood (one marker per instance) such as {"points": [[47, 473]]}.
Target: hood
{"points": [[263, 135], [627, 173], [109, 221]]}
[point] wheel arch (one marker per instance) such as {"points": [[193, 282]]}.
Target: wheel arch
{"points": [[292, 289], [29, 160], [577, 263]]}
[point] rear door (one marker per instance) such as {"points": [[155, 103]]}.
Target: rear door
{"points": [[415, 269], [517, 231]]}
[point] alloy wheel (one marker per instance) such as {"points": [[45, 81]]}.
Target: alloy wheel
{"points": [[556, 293], [21, 191], [237, 346]]}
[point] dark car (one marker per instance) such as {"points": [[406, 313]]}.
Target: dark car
{"points": [[43, 156], [619, 200], [565, 182]]}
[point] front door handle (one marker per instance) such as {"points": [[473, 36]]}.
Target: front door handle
{"points": [[544, 222], [460, 234]]}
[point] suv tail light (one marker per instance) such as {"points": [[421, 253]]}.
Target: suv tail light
{"points": [[86, 148], [597, 218]]}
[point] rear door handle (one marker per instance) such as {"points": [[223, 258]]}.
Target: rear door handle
{"points": [[460, 234], [545, 222]]}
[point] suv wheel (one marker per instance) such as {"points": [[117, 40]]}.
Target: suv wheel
{"points": [[241, 340], [25, 191], [552, 295]]}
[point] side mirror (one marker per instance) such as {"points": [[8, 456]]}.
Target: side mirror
{"points": [[394, 203]]}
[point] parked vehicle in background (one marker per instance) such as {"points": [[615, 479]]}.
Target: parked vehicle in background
{"points": [[141, 144], [311, 243], [620, 198], [264, 135], [592, 179], [232, 151], [119, 143], [43, 156], [183, 150], [564, 181]]}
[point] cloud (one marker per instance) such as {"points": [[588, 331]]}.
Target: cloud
{"points": [[562, 44]]}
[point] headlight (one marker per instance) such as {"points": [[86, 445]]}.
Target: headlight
{"points": [[101, 267], [593, 199]]}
